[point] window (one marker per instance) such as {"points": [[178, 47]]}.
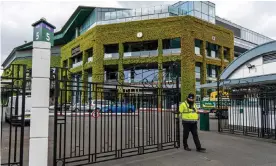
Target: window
{"points": [[171, 43], [191, 5], [138, 12], [205, 17], [145, 11], [113, 15], [197, 46], [141, 46], [107, 16], [151, 10], [212, 20], [185, 7], [205, 8], [197, 14], [112, 48], [157, 9], [191, 13], [269, 58], [119, 14], [164, 9], [197, 5], [90, 52], [211, 11]]}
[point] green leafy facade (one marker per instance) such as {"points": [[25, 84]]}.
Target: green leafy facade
{"points": [[186, 28]]}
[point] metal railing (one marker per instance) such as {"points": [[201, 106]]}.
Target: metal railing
{"points": [[77, 64], [141, 53], [173, 51], [111, 55]]}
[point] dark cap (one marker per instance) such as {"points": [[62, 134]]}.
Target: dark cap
{"points": [[191, 96]]}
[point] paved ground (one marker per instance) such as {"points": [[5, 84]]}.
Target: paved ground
{"points": [[222, 150]]}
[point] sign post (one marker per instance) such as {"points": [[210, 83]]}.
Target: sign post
{"points": [[41, 57]]}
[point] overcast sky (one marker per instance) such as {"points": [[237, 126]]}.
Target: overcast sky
{"points": [[17, 17]]}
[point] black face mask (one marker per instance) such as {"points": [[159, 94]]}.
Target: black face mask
{"points": [[191, 103]]}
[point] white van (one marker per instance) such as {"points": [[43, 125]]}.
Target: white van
{"points": [[11, 107]]}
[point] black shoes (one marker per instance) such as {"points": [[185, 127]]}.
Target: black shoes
{"points": [[201, 150], [187, 149]]}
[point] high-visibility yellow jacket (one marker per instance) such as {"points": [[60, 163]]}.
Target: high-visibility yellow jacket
{"points": [[188, 114]]}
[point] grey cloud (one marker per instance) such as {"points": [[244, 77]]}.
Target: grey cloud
{"points": [[17, 17]]}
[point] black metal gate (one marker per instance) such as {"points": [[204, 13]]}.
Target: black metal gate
{"points": [[96, 122], [248, 110], [13, 115]]}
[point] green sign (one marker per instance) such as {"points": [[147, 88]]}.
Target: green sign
{"points": [[208, 104], [43, 32]]}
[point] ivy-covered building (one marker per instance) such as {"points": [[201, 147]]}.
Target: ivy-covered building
{"points": [[100, 43], [145, 49]]}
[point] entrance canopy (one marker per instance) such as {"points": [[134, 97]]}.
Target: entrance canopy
{"points": [[263, 79]]}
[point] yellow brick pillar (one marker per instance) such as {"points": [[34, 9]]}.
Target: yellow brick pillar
{"points": [[120, 71], [84, 88], [98, 70], [221, 56], [187, 66], [84, 78], [231, 54], [203, 68]]}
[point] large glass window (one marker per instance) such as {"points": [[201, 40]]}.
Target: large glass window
{"points": [[157, 9], [138, 12], [107, 16], [197, 70], [171, 43], [191, 5], [212, 71], [205, 8], [212, 19], [197, 46], [141, 75], [205, 17], [197, 14], [185, 7], [141, 46], [145, 11], [119, 14], [151, 10], [197, 5], [113, 15], [211, 11], [111, 48]]}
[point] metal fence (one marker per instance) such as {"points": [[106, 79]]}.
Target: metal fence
{"points": [[248, 110], [96, 122], [13, 119]]}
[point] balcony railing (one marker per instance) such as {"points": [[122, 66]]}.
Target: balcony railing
{"points": [[174, 51], [111, 56], [141, 53], [90, 59], [77, 64]]}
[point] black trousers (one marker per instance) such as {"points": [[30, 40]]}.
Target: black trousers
{"points": [[190, 127]]}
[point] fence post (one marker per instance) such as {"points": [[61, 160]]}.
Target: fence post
{"points": [[41, 55]]}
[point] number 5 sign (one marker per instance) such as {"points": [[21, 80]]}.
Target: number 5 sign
{"points": [[43, 31]]}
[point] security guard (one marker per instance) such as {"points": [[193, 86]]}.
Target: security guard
{"points": [[189, 115]]}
